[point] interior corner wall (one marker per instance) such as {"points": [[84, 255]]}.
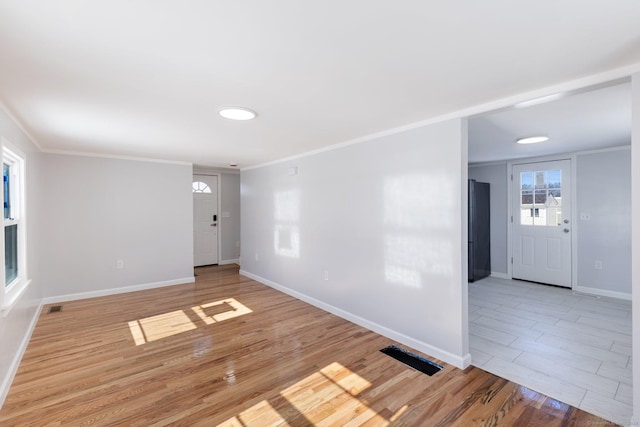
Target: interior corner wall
{"points": [[635, 242], [15, 325], [100, 210], [370, 231], [604, 197], [496, 176], [230, 217]]}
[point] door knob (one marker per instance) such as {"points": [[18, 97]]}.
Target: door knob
{"points": [[566, 221], [214, 225], [566, 230]]}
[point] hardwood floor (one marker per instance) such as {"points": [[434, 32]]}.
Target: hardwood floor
{"points": [[230, 351]]}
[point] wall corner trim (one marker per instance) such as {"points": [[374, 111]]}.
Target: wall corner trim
{"points": [[114, 291], [461, 362], [601, 293], [15, 363]]}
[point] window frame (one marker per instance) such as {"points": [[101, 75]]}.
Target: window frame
{"points": [[11, 293]]}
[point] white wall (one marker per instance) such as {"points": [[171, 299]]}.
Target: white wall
{"points": [[496, 176], [635, 243], [100, 210], [230, 226], [384, 220], [604, 192], [15, 325]]}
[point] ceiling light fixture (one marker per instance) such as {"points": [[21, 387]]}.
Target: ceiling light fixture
{"points": [[233, 165], [237, 113], [532, 139]]}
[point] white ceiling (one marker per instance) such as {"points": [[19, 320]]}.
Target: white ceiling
{"points": [[594, 119], [147, 77]]}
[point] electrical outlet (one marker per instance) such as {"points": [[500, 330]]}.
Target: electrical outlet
{"points": [[257, 257], [326, 275], [237, 244], [585, 216], [598, 265], [120, 264]]}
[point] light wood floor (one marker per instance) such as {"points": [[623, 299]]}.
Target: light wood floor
{"points": [[230, 351]]}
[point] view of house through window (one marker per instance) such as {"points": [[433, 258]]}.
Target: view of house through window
{"points": [[10, 228], [541, 198]]}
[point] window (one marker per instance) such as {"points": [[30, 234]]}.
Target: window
{"points": [[541, 198], [13, 195], [201, 187]]}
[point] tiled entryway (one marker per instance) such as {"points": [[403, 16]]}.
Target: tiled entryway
{"points": [[573, 347]]}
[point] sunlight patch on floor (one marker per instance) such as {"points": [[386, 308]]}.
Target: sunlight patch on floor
{"points": [[327, 397], [176, 322]]}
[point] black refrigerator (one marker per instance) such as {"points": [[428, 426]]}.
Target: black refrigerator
{"points": [[479, 231]]}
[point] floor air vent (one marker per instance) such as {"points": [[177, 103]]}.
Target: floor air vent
{"points": [[55, 309], [418, 362]]}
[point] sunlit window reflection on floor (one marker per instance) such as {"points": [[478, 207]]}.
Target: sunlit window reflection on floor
{"points": [[230, 308], [176, 322], [160, 326], [325, 398]]}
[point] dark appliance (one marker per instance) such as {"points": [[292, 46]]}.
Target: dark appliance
{"points": [[479, 231]]}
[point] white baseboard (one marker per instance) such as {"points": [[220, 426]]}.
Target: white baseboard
{"points": [[602, 292], [229, 261], [15, 363], [455, 360], [499, 275], [114, 291]]}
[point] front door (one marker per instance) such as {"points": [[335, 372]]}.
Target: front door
{"points": [[205, 220], [541, 244]]}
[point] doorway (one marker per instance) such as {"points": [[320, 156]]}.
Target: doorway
{"points": [[544, 337], [205, 220], [541, 222]]}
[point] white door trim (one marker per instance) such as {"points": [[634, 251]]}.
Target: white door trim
{"points": [[220, 227], [573, 203]]}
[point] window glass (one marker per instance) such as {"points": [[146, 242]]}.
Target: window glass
{"points": [[15, 279], [201, 187], [6, 174], [541, 198], [10, 254]]}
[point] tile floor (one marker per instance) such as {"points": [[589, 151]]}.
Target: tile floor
{"points": [[573, 347]]}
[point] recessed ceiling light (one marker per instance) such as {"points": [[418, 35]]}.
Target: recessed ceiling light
{"points": [[233, 165], [237, 113], [532, 139]]}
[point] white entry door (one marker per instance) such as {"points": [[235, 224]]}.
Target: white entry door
{"points": [[541, 232], [205, 220]]}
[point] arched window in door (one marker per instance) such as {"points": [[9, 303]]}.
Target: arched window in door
{"points": [[201, 187]]}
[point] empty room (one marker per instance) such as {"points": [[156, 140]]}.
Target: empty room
{"points": [[260, 213]]}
